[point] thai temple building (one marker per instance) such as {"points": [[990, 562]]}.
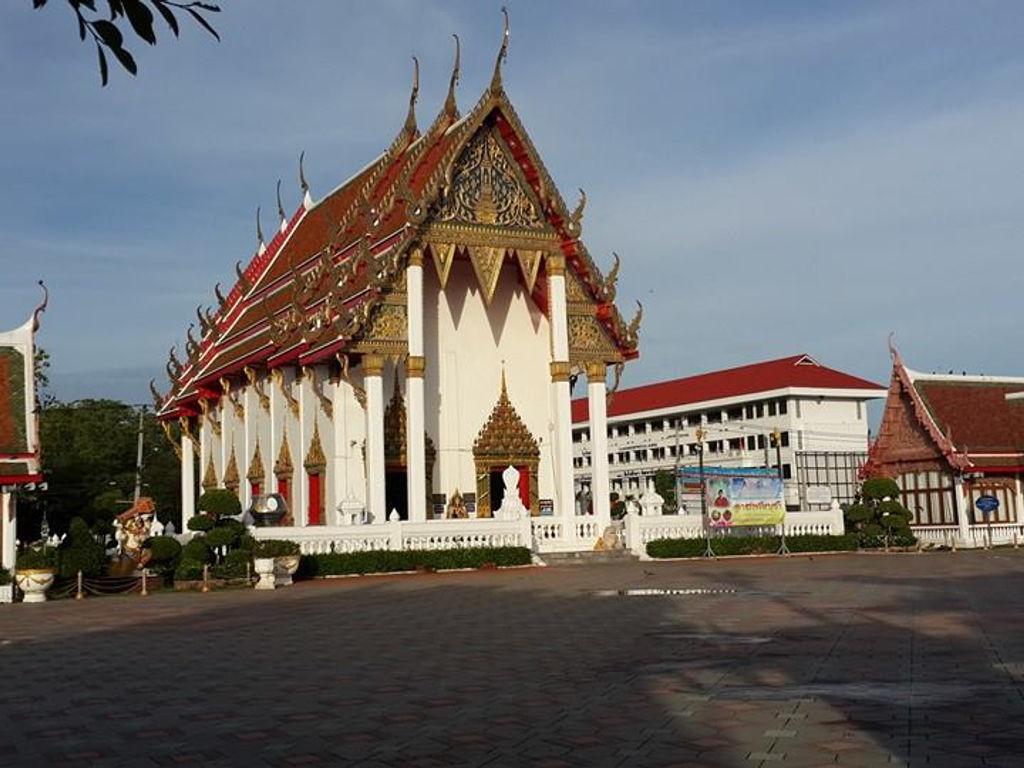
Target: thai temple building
{"points": [[949, 440], [399, 343], [19, 427]]}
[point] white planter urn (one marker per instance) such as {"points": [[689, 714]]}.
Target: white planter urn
{"points": [[265, 570], [34, 582], [284, 568]]}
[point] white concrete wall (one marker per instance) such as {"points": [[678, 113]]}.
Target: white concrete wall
{"points": [[465, 344]]}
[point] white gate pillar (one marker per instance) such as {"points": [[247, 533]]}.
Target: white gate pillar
{"points": [[8, 529], [188, 480], [962, 512]]}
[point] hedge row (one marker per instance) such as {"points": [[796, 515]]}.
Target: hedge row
{"points": [[751, 545], [386, 560]]}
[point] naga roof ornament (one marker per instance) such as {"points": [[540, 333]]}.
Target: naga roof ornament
{"points": [[410, 118], [451, 108], [496, 86], [280, 209], [307, 199], [261, 245]]}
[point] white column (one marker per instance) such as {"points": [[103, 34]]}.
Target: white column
{"points": [[8, 530], [599, 490], [250, 431], [415, 442], [300, 481], [962, 512], [373, 368], [188, 481], [565, 487], [338, 489]]}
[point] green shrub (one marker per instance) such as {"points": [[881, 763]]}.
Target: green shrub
{"points": [[384, 561], [196, 551], [80, 552], [750, 545], [247, 542], [163, 550], [220, 502], [275, 548], [36, 558], [188, 570], [234, 565], [221, 536], [5, 577], [878, 488], [878, 541], [201, 523]]}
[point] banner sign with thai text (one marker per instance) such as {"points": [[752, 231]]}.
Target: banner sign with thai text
{"points": [[741, 496]]}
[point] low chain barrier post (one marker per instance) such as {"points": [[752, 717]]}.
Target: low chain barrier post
{"points": [[79, 594]]}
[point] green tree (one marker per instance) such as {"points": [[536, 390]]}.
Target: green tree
{"points": [[665, 485], [878, 516], [105, 23], [88, 456]]}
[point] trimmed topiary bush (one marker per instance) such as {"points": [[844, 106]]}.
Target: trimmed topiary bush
{"points": [[275, 548], [5, 577], [221, 536], [385, 561], [220, 502], [201, 523], [197, 551], [163, 550], [234, 566], [188, 570], [879, 518], [80, 552]]}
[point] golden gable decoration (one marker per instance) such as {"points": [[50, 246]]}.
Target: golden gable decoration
{"points": [[504, 440], [486, 261], [315, 462], [486, 188], [257, 472], [209, 476], [443, 255], [529, 265], [231, 478], [283, 466]]}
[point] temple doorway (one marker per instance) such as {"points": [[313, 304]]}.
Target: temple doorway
{"points": [[396, 492], [505, 441], [497, 486]]}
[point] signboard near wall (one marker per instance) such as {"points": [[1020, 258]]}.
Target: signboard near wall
{"points": [[819, 494], [749, 496]]}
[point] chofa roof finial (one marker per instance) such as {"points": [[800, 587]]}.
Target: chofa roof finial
{"points": [[893, 352], [502, 53], [280, 208], [41, 307], [410, 118], [451, 108], [307, 199], [261, 245]]}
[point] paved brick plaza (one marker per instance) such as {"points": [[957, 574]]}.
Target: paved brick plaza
{"points": [[849, 660]]}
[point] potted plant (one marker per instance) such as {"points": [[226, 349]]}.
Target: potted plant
{"points": [[6, 587], [285, 555], [35, 569]]}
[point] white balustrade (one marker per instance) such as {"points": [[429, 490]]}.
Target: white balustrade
{"points": [[978, 536], [399, 535]]}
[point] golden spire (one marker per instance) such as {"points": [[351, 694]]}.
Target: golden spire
{"points": [[450, 107], [283, 465], [257, 472], [209, 476], [502, 53], [486, 206], [231, 480], [315, 459]]}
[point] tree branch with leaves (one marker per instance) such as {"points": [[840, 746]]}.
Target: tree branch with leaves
{"points": [[122, 16]]}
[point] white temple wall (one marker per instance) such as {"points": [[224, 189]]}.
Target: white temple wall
{"points": [[348, 481], [466, 343]]}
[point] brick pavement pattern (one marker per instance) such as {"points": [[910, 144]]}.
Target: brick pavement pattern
{"points": [[853, 660]]}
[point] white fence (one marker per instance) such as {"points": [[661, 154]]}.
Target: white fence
{"points": [[641, 530], [996, 534], [401, 535]]}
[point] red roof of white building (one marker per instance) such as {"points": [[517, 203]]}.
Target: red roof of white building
{"points": [[796, 372]]}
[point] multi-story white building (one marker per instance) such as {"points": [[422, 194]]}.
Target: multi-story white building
{"points": [[819, 414]]}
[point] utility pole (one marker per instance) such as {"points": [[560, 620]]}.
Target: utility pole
{"points": [[678, 495], [777, 441], [138, 457], [708, 551]]}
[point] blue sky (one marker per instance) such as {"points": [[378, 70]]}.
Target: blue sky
{"points": [[777, 177]]}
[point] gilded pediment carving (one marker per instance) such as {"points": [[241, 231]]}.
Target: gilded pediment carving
{"points": [[487, 188]]}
